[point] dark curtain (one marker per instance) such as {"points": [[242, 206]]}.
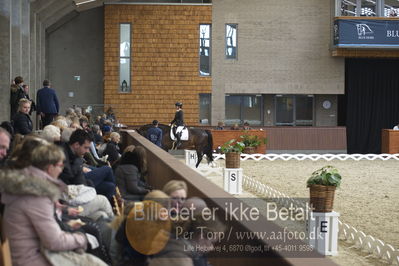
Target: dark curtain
{"points": [[372, 97]]}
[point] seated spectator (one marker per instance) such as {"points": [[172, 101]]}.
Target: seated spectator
{"points": [[60, 122], [112, 149], [78, 112], [75, 173], [246, 126], [220, 126], [78, 145], [66, 134], [128, 177], [97, 135], [29, 197], [177, 191], [21, 120], [235, 127], [107, 128], [110, 115], [84, 123], [75, 125], [5, 139], [51, 133]]}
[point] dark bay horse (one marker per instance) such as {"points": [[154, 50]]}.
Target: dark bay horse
{"points": [[199, 140]]}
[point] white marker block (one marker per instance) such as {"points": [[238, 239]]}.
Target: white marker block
{"points": [[232, 180], [323, 232], [191, 157]]}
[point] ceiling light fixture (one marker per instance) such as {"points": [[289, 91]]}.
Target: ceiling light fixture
{"points": [[83, 2]]}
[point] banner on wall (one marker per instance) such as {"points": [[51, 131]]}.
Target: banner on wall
{"points": [[366, 33]]}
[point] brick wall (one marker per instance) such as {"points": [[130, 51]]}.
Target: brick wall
{"points": [[164, 62]]}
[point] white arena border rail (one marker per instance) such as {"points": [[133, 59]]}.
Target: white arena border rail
{"points": [[313, 157], [366, 243]]}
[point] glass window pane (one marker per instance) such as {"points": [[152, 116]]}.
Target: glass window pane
{"points": [[124, 75], [284, 110], [251, 110], [368, 8], [125, 40], [304, 110], [348, 8], [391, 8], [233, 110], [205, 109], [204, 49], [231, 41]]}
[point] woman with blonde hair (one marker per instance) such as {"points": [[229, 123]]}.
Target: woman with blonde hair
{"points": [[21, 120], [112, 149], [177, 190], [29, 197]]}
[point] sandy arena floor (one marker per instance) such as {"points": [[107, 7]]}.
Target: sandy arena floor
{"points": [[368, 198]]}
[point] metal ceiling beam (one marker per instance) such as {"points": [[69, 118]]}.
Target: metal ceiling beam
{"points": [[54, 9]]}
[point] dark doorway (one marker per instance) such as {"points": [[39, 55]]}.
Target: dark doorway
{"points": [[372, 97]]}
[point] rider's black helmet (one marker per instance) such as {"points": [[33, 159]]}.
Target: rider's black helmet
{"points": [[179, 104]]}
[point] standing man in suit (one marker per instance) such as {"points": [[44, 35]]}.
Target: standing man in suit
{"points": [[47, 103]]}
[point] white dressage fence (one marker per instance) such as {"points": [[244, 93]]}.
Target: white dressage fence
{"points": [[370, 245]]}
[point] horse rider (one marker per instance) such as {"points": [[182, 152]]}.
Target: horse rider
{"points": [[177, 122]]}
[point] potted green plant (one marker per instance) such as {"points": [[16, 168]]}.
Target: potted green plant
{"points": [[232, 150], [322, 184], [251, 142]]}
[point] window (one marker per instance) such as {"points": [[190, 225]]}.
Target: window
{"points": [[124, 58], [391, 8], [243, 108], [368, 8], [294, 110], [205, 108], [231, 41], [205, 49]]}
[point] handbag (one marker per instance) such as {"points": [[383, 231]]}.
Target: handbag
{"points": [[71, 258], [79, 194]]}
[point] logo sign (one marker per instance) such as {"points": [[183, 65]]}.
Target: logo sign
{"points": [[363, 30], [366, 33]]}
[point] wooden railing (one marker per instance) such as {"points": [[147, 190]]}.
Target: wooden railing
{"points": [[163, 167]]}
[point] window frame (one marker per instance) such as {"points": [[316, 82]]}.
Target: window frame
{"points": [[209, 108], [226, 42], [128, 58], [209, 50], [242, 118], [294, 113]]}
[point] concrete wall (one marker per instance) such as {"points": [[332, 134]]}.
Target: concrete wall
{"points": [[283, 47], [14, 47], [76, 49]]}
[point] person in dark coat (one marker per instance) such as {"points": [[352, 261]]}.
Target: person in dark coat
{"points": [[21, 120], [178, 121], [72, 173], [26, 96], [154, 134], [128, 177], [47, 103], [112, 149], [16, 93]]}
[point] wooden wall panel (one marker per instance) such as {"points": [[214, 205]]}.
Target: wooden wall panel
{"points": [[164, 65], [306, 138], [365, 53], [389, 141], [222, 136]]}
